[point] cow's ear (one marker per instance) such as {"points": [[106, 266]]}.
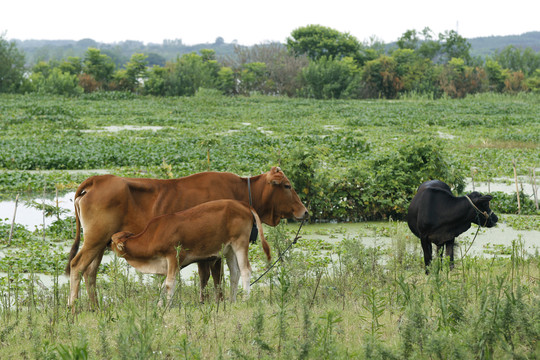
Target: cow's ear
{"points": [[486, 198]]}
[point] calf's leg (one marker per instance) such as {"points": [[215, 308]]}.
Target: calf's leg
{"points": [[170, 280], [234, 271], [243, 263]]}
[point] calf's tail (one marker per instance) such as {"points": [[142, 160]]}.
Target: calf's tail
{"points": [[264, 243]]}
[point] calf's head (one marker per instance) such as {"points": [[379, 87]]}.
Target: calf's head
{"points": [[119, 238], [484, 215], [281, 199]]}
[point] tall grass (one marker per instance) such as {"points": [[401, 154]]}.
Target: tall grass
{"points": [[361, 302]]}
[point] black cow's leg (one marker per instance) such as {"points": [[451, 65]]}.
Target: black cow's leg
{"points": [[440, 250], [428, 253], [450, 252]]}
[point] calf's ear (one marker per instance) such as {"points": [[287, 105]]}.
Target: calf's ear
{"points": [[120, 235]]}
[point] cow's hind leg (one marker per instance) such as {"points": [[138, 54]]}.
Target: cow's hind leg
{"points": [[204, 275], [450, 252], [428, 253], [90, 276], [217, 269], [79, 264]]}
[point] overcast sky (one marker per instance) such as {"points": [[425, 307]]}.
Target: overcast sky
{"points": [[254, 22]]}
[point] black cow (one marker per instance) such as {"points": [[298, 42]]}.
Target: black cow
{"points": [[436, 216]]}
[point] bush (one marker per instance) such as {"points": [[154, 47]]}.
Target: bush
{"points": [[381, 78], [372, 190], [329, 78], [57, 83], [458, 80], [503, 203]]}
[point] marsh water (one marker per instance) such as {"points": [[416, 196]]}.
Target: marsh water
{"points": [[488, 242]]}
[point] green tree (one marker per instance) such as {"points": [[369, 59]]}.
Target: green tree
{"points": [[98, 65], [457, 79], [254, 77], [155, 83], [135, 71], [43, 68], [226, 81], [533, 83], [57, 82], [381, 78], [416, 73], [11, 66], [329, 78], [191, 72], [454, 45], [496, 75], [422, 43], [317, 41], [409, 40], [73, 65], [516, 59]]}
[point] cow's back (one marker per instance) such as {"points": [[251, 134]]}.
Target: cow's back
{"points": [[426, 205], [110, 203]]}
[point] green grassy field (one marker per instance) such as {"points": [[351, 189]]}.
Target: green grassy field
{"points": [[326, 299], [247, 135]]}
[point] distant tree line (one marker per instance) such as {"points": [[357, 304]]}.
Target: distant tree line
{"points": [[316, 62]]}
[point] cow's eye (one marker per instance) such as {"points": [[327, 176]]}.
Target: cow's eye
{"points": [[288, 186]]}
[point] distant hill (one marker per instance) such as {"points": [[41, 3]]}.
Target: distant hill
{"points": [[46, 50], [169, 50], [484, 46]]}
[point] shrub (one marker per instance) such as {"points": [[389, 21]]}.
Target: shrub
{"points": [[381, 78], [503, 203], [58, 83], [329, 78]]}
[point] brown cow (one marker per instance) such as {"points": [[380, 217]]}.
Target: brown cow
{"points": [[107, 204], [207, 231]]}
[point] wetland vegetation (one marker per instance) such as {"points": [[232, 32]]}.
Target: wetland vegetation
{"points": [[334, 295]]}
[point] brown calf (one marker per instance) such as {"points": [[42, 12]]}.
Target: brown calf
{"points": [[207, 231]]}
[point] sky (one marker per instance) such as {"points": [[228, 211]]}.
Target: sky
{"points": [[250, 22]]}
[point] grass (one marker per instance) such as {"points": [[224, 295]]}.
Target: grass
{"points": [[350, 301], [344, 292]]}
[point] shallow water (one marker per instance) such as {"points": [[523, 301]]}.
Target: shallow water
{"points": [[505, 185], [31, 217], [496, 241]]}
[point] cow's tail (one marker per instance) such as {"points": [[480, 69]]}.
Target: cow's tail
{"points": [[81, 191], [264, 243]]}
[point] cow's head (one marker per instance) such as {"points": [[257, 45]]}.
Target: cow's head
{"points": [[279, 200], [484, 215]]}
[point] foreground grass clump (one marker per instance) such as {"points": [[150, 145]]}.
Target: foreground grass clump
{"points": [[324, 300]]}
